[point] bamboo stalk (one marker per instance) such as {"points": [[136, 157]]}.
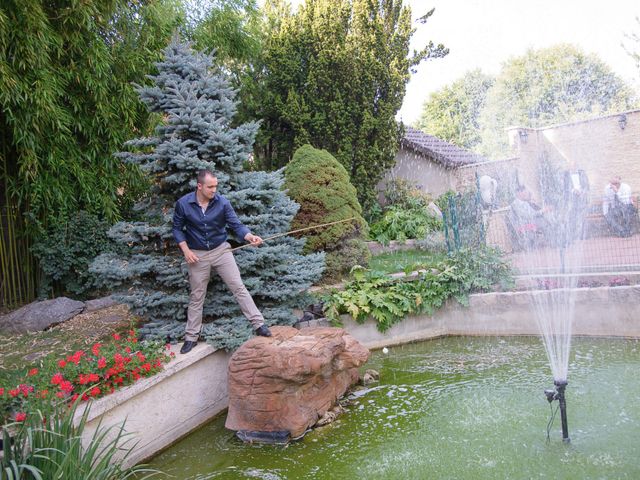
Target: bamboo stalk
{"points": [[296, 231]]}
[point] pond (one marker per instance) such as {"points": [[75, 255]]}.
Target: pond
{"points": [[456, 407]]}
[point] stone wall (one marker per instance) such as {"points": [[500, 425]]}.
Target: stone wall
{"points": [[428, 176], [599, 146]]}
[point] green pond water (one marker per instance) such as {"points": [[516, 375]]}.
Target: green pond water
{"points": [[453, 408]]}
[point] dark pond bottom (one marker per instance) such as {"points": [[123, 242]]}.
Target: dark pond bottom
{"points": [[454, 408]]}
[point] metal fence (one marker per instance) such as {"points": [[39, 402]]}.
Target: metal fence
{"points": [[595, 248]]}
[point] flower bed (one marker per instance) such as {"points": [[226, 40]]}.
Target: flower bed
{"points": [[84, 375]]}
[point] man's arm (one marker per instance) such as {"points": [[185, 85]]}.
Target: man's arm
{"points": [[606, 200], [179, 221], [238, 227]]}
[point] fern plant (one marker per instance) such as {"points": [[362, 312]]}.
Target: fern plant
{"points": [[388, 300]]}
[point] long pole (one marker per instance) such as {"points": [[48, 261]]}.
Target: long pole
{"points": [[297, 231]]}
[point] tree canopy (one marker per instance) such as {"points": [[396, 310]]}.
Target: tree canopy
{"points": [[68, 102], [333, 74], [551, 85], [452, 112], [545, 86]]}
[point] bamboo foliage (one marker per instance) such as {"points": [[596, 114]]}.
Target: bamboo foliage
{"points": [[17, 281], [67, 103]]}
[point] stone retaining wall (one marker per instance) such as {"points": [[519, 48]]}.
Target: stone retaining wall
{"points": [[193, 388]]}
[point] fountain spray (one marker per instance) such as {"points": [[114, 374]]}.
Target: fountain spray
{"points": [[557, 393]]}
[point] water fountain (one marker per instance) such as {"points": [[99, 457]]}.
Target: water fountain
{"points": [[560, 228]]}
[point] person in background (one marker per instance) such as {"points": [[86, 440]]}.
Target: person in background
{"points": [[618, 208], [576, 201], [529, 220]]}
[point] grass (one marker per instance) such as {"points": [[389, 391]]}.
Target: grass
{"points": [[401, 260]]}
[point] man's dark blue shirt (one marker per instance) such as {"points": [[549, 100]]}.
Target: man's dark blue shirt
{"points": [[205, 231]]}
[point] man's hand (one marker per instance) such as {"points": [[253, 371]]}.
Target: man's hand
{"points": [[189, 256], [254, 240]]}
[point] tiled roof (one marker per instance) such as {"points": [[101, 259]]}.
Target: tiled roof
{"points": [[440, 151]]}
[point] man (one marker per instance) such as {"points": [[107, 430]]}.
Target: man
{"points": [[200, 220], [576, 201], [618, 208], [528, 219]]}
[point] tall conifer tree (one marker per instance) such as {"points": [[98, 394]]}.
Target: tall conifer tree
{"points": [[334, 75], [198, 105]]}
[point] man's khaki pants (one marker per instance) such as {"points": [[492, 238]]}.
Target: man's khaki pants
{"points": [[221, 259]]}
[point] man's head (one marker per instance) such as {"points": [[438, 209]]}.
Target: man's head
{"points": [[522, 193], [207, 184], [615, 182]]}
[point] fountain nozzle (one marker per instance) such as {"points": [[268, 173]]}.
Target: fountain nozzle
{"points": [[558, 394], [550, 393]]}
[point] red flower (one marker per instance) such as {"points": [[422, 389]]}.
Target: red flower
{"points": [[57, 379], [14, 392], [25, 389], [42, 394], [75, 358], [1, 391], [60, 394], [62, 363], [102, 362], [66, 386], [141, 356], [118, 358], [96, 349], [116, 336], [95, 391], [21, 417], [74, 398], [33, 371], [127, 349], [85, 397], [146, 367]]}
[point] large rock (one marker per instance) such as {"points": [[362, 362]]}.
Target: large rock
{"points": [[40, 315], [280, 386]]}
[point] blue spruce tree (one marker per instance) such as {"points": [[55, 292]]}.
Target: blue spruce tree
{"points": [[197, 106]]}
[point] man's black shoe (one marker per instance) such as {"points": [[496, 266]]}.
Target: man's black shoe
{"points": [[263, 331], [187, 346]]}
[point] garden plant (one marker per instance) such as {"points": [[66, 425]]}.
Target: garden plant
{"points": [[389, 299], [320, 184], [198, 106]]}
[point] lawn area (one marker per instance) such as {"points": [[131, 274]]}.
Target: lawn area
{"points": [[401, 260]]}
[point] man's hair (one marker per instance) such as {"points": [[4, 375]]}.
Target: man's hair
{"points": [[615, 179], [202, 174]]}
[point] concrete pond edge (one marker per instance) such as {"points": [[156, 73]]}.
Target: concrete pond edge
{"points": [[192, 389]]}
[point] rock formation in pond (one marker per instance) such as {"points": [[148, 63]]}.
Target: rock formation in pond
{"points": [[282, 385]]}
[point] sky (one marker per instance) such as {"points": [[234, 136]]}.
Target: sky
{"points": [[484, 33]]}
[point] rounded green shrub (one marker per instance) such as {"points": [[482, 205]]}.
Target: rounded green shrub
{"points": [[320, 184]]}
